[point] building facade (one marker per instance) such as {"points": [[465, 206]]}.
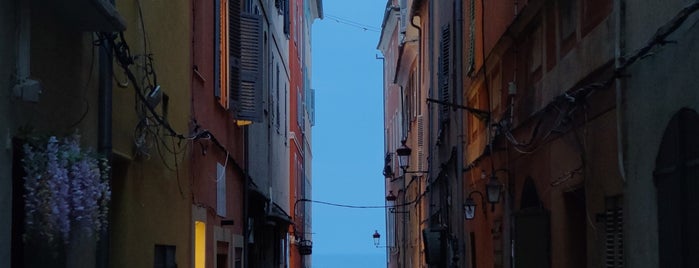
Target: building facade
{"points": [[302, 118], [547, 104], [189, 104]]}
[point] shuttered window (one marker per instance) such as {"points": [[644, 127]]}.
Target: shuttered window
{"points": [[238, 60], [613, 233], [471, 36], [444, 75], [246, 73], [221, 49]]}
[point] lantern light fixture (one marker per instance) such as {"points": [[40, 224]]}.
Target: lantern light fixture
{"points": [[376, 237], [403, 153]]}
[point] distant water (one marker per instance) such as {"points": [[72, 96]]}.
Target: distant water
{"points": [[349, 261]]}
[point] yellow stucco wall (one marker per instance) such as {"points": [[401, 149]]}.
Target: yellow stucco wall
{"points": [[151, 203]]}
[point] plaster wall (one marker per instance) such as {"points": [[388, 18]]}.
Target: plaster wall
{"points": [[659, 86], [151, 197], [8, 43]]}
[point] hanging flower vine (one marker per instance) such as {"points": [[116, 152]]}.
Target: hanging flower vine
{"points": [[67, 189]]}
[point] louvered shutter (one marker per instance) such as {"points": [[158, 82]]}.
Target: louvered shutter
{"points": [[613, 234], [247, 99], [444, 78], [471, 35], [420, 143], [234, 42], [217, 48]]}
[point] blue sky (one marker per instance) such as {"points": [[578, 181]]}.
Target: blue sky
{"points": [[347, 79]]}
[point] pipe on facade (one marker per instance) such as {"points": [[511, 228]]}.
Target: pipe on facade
{"points": [[619, 85], [246, 199], [104, 134], [459, 85]]}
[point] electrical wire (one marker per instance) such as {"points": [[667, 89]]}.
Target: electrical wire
{"points": [[576, 97], [356, 206], [353, 23], [87, 84]]}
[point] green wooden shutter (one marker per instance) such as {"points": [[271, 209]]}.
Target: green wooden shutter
{"points": [[247, 99]]}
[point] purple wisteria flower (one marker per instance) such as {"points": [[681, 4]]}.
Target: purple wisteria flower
{"points": [[67, 189]]}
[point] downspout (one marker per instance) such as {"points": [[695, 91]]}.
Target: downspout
{"points": [[246, 200], [459, 85], [104, 134], [385, 184], [419, 83], [619, 7], [430, 38]]}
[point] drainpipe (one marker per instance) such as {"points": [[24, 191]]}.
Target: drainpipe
{"points": [[619, 7], [104, 134], [459, 85], [419, 83], [246, 200]]}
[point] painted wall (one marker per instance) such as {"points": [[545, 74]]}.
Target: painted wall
{"points": [[62, 59], [542, 69], [296, 156], [206, 155], [151, 193], [7, 66], [659, 86]]}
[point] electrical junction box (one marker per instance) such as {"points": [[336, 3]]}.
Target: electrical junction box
{"points": [[27, 90]]}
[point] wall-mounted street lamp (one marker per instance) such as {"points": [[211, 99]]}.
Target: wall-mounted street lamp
{"points": [[377, 238], [404, 158], [493, 188], [492, 191], [470, 205], [392, 198]]}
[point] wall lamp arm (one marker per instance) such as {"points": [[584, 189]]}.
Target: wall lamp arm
{"points": [[481, 114], [393, 210]]}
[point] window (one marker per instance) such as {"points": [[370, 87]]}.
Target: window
{"points": [[286, 110], [444, 75], [299, 109], [221, 42], [238, 61], [471, 36], [284, 10], [567, 24], [535, 55], [164, 256], [594, 11], [277, 101], [199, 244], [220, 190], [613, 233]]}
